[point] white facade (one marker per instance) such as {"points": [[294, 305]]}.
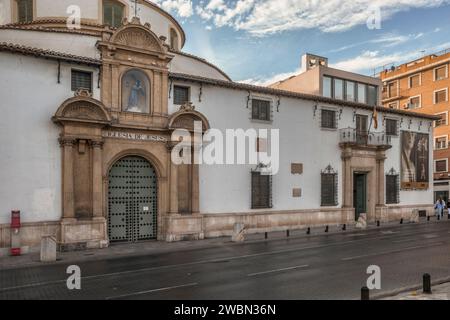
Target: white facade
{"points": [[35, 80]]}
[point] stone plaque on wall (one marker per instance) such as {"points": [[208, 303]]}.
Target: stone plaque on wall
{"points": [[296, 192], [297, 168]]}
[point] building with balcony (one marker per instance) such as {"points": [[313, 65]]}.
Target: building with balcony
{"points": [[317, 78], [91, 119], [422, 86]]}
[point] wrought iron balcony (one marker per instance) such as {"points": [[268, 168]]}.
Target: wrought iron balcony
{"points": [[364, 138]]}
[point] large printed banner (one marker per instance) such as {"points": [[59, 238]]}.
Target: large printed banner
{"points": [[415, 157]]}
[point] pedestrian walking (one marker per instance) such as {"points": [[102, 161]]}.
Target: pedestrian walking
{"points": [[439, 207]]}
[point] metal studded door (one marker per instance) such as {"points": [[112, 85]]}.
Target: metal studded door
{"points": [[132, 200]]}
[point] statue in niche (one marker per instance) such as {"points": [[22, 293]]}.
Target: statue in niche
{"points": [[134, 92]]}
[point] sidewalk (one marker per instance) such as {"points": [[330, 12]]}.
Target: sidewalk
{"points": [[439, 292], [155, 247]]}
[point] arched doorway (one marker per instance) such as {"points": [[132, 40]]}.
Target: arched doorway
{"points": [[132, 200]]}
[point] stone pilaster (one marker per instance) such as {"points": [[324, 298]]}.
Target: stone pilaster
{"points": [[68, 179], [97, 181]]}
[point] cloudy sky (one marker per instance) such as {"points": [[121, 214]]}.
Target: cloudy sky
{"points": [[261, 41]]}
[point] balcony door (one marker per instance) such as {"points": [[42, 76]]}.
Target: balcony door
{"points": [[361, 128]]}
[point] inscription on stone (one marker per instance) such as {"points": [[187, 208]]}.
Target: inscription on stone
{"points": [[133, 136]]}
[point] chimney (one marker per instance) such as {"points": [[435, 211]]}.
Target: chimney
{"points": [[310, 61]]}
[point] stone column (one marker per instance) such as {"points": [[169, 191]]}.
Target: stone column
{"points": [[195, 188], [381, 156], [97, 180], [68, 180], [347, 178], [173, 182]]}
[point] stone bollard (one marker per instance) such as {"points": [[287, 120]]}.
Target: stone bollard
{"points": [[414, 216], [48, 249], [362, 221], [238, 232]]}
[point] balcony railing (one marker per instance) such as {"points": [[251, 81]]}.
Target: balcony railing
{"points": [[364, 138]]}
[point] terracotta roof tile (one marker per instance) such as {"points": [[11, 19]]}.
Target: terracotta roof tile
{"points": [[49, 54], [295, 95]]}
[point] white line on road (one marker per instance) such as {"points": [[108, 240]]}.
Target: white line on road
{"points": [[278, 270], [151, 291], [393, 251]]}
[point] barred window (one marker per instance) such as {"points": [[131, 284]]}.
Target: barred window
{"points": [[329, 187], [180, 95], [81, 80], [261, 110], [261, 190], [112, 13], [329, 119], [391, 127], [24, 10], [392, 187]]}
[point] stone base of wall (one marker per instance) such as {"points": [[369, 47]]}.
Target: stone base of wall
{"points": [[73, 234]]}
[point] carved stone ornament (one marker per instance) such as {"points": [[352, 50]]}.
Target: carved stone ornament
{"points": [[83, 93], [188, 106], [82, 108]]}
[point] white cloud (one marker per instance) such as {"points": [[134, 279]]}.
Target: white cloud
{"points": [[262, 17], [182, 8], [370, 60], [264, 81]]}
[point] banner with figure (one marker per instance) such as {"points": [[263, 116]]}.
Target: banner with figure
{"points": [[415, 157]]}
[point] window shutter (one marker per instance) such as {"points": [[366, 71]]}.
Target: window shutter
{"points": [[261, 110], [441, 96], [441, 73], [81, 80], [329, 187], [180, 95], [415, 81], [392, 188], [441, 166], [25, 10], [391, 127], [261, 191], [329, 119]]}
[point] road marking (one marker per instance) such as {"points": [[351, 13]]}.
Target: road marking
{"points": [[99, 276], [393, 251], [405, 240], [278, 270], [151, 291]]}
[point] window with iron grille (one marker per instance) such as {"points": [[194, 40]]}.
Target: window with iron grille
{"points": [[24, 10], [260, 109], [81, 80], [112, 13], [328, 119], [391, 127], [392, 187], [329, 187], [261, 190], [180, 95]]}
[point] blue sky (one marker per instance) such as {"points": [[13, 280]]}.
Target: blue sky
{"points": [[260, 41]]}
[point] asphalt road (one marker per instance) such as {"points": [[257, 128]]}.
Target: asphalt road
{"points": [[329, 266]]}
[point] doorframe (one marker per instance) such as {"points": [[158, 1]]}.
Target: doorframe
{"points": [[161, 179], [365, 174]]}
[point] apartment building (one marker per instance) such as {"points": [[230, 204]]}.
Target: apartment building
{"points": [[422, 86]]}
